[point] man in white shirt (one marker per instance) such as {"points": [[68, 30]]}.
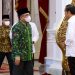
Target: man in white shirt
{"points": [[70, 37]]}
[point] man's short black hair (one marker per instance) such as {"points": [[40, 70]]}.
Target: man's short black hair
{"points": [[70, 8]]}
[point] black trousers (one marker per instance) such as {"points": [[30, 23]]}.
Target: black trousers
{"points": [[9, 58], [71, 62], [24, 68]]}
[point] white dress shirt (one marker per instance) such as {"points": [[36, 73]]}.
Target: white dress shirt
{"points": [[35, 34], [70, 38]]}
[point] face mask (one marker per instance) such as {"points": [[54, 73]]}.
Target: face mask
{"points": [[28, 19], [7, 23]]}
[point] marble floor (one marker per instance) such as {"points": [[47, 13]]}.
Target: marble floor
{"points": [[36, 67]]}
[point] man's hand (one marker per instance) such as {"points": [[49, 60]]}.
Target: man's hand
{"points": [[17, 60]]}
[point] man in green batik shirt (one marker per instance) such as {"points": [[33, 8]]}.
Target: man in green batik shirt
{"points": [[22, 40]]}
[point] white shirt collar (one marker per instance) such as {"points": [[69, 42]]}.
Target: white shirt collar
{"points": [[71, 19]]}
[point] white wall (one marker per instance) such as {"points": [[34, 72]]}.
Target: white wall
{"points": [[15, 17], [52, 12]]}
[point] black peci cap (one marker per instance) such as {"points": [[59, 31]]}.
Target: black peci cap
{"points": [[5, 17], [22, 11]]}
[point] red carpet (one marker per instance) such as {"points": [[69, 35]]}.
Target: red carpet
{"points": [[4, 68]]}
